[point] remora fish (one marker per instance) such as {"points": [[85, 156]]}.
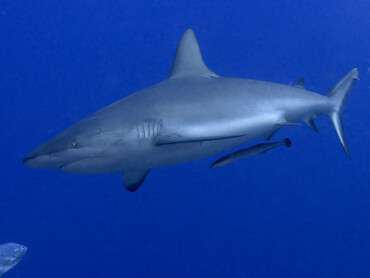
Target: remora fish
{"points": [[247, 152], [193, 114], [10, 255]]}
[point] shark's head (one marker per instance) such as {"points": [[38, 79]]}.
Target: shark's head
{"points": [[10, 255], [85, 148]]}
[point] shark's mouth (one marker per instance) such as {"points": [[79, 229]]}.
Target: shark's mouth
{"points": [[50, 160], [86, 166], [64, 165], [77, 162]]}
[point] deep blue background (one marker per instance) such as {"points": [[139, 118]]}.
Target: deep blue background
{"points": [[303, 212]]}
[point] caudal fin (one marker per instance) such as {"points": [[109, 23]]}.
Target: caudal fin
{"points": [[338, 94]]}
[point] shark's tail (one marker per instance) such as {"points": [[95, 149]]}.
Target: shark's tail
{"points": [[338, 94]]}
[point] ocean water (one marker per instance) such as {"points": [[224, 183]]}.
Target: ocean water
{"points": [[302, 212]]}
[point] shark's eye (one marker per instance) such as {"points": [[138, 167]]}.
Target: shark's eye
{"points": [[73, 144]]}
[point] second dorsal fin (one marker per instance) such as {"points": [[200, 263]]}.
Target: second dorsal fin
{"points": [[300, 83], [188, 59]]}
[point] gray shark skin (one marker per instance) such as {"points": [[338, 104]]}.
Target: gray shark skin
{"points": [[191, 115], [10, 255]]}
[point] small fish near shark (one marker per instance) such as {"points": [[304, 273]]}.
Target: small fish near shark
{"points": [[193, 114], [247, 152], [10, 256]]}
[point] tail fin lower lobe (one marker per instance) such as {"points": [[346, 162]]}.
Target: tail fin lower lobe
{"points": [[338, 94]]}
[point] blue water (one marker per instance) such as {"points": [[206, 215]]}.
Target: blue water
{"points": [[302, 212]]}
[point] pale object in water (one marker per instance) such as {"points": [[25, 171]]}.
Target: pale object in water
{"points": [[10, 255]]}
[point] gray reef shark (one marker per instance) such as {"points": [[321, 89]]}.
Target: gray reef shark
{"points": [[10, 256], [193, 114]]}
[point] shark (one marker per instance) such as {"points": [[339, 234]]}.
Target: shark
{"points": [[193, 114]]}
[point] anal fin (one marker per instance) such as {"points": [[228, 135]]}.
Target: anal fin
{"points": [[268, 136], [132, 180], [311, 124]]}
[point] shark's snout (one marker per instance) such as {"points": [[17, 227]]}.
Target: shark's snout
{"points": [[73, 154], [29, 159], [38, 159], [52, 154]]}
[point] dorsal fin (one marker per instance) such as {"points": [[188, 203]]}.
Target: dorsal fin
{"points": [[300, 83], [188, 59]]}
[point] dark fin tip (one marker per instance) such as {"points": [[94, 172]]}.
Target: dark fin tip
{"points": [[287, 142], [133, 186], [215, 163], [136, 186]]}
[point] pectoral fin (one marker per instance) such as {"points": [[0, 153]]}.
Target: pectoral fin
{"points": [[132, 180], [247, 152], [176, 139]]}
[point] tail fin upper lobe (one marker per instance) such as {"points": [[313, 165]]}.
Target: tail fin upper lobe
{"points": [[338, 94]]}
